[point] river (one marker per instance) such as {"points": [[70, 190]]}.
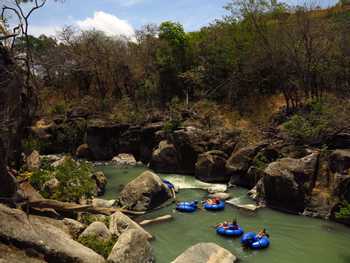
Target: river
{"points": [[294, 239]]}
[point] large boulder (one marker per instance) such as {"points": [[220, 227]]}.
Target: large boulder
{"points": [[288, 182], [239, 163], [15, 116], [132, 247], [83, 151], [164, 158], [103, 138], [210, 167], [206, 253], [101, 182], [43, 237], [120, 223], [339, 161], [98, 230], [33, 161], [10, 254], [145, 192]]}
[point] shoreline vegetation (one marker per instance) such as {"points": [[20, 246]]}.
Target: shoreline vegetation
{"points": [[257, 99]]}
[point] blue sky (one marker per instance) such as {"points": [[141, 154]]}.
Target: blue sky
{"points": [[124, 16]]}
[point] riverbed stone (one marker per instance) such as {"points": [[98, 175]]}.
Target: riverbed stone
{"points": [[145, 192], [206, 253], [101, 182], [119, 223], [132, 247], [33, 161]]}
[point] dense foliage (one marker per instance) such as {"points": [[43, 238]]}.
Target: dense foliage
{"points": [[102, 247], [74, 181], [261, 48]]}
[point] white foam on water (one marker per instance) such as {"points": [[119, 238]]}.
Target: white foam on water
{"points": [[189, 182]]}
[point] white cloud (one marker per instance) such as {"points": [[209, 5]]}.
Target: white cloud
{"points": [[110, 24], [43, 30]]}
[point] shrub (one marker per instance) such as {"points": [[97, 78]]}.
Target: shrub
{"points": [[88, 219], [30, 144], [75, 181], [171, 125], [317, 122], [344, 212], [102, 247], [58, 109]]}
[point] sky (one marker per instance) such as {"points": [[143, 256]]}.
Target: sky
{"points": [[123, 17]]}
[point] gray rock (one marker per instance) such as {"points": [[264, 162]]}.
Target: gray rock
{"points": [[124, 159], [132, 247], [33, 161], [96, 202], [164, 158], [287, 182], [101, 182], [120, 223], [83, 151], [98, 230], [51, 185], [52, 242], [145, 192], [12, 254], [74, 226], [210, 167], [339, 161], [206, 253]]}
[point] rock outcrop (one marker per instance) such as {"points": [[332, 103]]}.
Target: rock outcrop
{"points": [[145, 192], [132, 247], [14, 118], [206, 253], [164, 158], [210, 167], [101, 182], [43, 237], [288, 182], [179, 152], [239, 162]]}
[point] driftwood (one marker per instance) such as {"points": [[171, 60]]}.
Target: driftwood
{"points": [[71, 207], [156, 220]]}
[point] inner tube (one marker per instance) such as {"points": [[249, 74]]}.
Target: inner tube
{"points": [[252, 241], [168, 184], [216, 207], [229, 231], [187, 207]]}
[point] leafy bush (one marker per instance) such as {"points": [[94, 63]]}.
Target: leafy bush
{"points": [[316, 123], [30, 144], [58, 109], [101, 247], [75, 181], [88, 219], [344, 212], [171, 125]]}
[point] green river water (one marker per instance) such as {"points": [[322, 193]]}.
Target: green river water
{"points": [[294, 239]]}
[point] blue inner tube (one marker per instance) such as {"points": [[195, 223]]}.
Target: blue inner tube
{"points": [[168, 184], [252, 241], [219, 206], [230, 231], [187, 207]]}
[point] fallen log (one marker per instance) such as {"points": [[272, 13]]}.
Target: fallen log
{"points": [[156, 220], [71, 207]]}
